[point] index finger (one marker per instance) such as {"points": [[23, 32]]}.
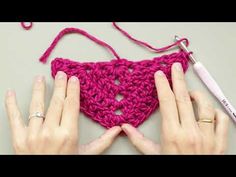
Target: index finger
{"points": [[167, 102]]}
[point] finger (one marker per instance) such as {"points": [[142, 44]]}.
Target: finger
{"points": [[221, 131], [167, 102], [101, 144], [72, 103], [53, 116], [205, 110], [14, 115], [37, 104], [182, 97], [143, 144]]}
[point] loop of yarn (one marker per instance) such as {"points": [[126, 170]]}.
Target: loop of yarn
{"points": [[26, 27], [102, 82], [78, 31]]}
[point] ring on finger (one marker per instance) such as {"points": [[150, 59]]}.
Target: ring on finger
{"points": [[37, 115], [206, 121]]}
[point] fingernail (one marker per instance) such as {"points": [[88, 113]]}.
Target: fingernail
{"points": [[61, 75], [39, 78], [73, 79], [10, 92], [117, 127], [159, 73], [124, 125], [178, 66]]}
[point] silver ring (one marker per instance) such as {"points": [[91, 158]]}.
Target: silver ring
{"points": [[37, 115]]}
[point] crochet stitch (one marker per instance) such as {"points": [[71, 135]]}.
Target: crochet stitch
{"points": [[102, 82]]}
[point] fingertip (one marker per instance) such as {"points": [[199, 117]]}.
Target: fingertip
{"points": [[158, 74], [61, 75], [125, 126], [10, 93], [177, 66], [39, 78], [129, 129], [10, 97], [160, 79], [73, 79], [74, 82], [115, 130]]}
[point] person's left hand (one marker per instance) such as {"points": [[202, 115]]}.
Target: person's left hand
{"points": [[58, 132]]}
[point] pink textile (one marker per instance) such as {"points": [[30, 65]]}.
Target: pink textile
{"points": [[101, 82]]}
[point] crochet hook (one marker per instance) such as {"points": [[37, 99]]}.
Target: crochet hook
{"points": [[208, 80]]}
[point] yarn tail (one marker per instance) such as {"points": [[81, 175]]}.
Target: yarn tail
{"points": [[144, 44]]}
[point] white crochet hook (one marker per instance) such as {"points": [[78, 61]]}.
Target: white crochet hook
{"points": [[208, 80]]}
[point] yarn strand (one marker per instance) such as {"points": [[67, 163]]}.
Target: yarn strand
{"points": [[65, 31], [141, 43]]}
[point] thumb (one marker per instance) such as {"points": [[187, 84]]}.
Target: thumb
{"points": [[101, 144], [143, 144]]}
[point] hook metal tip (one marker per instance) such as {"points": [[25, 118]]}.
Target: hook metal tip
{"points": [[177, 38], [184, 47]]}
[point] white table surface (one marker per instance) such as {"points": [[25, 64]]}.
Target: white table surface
{"points": [[213, 44]]}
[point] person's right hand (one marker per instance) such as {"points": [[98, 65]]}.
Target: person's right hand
{"points": [[181, 133]]}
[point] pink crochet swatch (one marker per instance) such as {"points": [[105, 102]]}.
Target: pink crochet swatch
{"points": [[101, 82]]}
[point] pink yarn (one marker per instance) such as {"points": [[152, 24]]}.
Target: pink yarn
{"points": [[99, 87], [25, 26]]}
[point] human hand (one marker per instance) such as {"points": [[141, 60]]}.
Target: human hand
{"points": [[181, 133], [58, 132]]}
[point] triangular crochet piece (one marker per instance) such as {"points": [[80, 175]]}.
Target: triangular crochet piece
{"points": [[102, 82]]}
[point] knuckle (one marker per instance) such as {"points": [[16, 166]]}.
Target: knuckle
{"points": [[193, 139], [18, 144], [8, 102], [57, 101], [65, 134], [212, 147], [60, 85], [207, 111], [46, 135], [171, 138], [197, 93], [179, 77], [224, 117], [15, 114], [221, 149], [38, 88], [68, 136], [31, 140], [167, 98], [37, 105], [209, 108], [72, 101], [183, 97], [169, 131]]}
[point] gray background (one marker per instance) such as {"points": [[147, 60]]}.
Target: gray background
{"points": [[212, 43]]}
